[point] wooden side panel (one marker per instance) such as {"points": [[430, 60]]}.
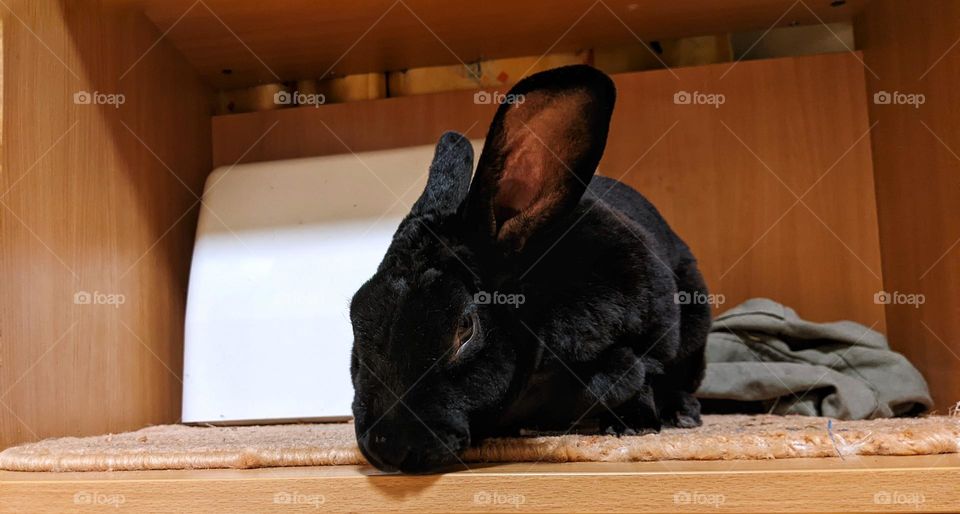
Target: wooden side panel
{"points": [[912, 49], [721, 173], [96, 220]]}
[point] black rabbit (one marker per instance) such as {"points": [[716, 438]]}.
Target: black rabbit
{"points": [[535, 297]]}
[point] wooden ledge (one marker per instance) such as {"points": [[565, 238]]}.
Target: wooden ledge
{"points": [[922, 483]]}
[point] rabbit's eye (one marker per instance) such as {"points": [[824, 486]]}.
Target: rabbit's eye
{"points": [[466, 330]]}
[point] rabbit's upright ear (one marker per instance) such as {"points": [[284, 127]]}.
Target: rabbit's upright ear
{"points": [[541, 151], [449, 178]]}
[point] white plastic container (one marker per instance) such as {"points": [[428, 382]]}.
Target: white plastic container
{"points": [[281, 247]]}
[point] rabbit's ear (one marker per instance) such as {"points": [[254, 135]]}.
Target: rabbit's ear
{"points": [[449, 178], [541, 151]]}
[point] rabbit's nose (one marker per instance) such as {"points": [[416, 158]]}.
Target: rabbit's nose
{"points": [[384, 452]]}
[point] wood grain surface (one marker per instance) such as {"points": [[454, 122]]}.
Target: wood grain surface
{"points": [[97, 199], [895, 484], [234, 43], [726, 176], [912, 52]]}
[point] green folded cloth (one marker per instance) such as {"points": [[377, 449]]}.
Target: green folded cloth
{"points": [[761, 357]]}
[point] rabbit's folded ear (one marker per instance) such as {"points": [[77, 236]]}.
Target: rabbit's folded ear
{"points": [[541, 151], [449, 178]]}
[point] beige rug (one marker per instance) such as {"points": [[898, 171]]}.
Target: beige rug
{"points": [[720, 438]]}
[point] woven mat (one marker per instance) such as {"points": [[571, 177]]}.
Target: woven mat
{"points": [[720, 438]]}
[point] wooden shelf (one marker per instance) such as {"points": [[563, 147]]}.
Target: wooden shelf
{"points": [[269, 42], [924, 483]]}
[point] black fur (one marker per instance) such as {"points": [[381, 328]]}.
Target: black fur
{"points": [[600, 333]]}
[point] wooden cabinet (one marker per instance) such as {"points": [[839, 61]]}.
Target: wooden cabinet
{"points": [[820, 181]]}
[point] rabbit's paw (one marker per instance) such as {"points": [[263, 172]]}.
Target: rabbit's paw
{"points": [[619, 425], [684, 412], [621, 430], [680, 420]]}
